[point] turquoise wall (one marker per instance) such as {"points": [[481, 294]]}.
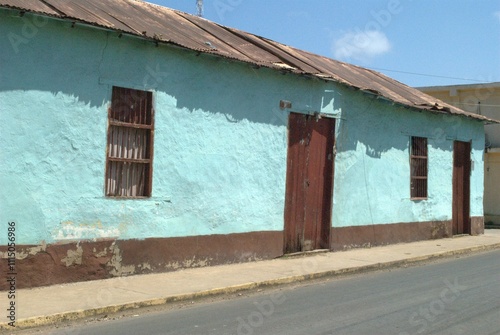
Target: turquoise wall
{"points": [[220, 141], [220, 137], [372, 171]]}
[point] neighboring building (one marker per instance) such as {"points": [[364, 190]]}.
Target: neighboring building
{"points": [[140, 139], [482, 99]]}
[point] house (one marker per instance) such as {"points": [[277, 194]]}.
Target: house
{"points": [[481, 99], [139, 139]]}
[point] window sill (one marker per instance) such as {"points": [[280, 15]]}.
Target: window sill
{"points": [[126, 198]]}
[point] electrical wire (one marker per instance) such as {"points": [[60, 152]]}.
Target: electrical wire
{"points": [[474, 104], [430, 75]]}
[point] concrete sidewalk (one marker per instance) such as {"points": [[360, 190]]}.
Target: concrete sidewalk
{"points": [[47, 305]]}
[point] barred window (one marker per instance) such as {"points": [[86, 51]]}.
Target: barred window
{"points": [[130, 144], [418, 166]]}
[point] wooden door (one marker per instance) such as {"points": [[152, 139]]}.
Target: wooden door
{"points": [[309, 183], [461, 188]]}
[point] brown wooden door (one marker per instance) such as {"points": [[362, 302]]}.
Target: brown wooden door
{"points": [[461, 188], [309, 183]]}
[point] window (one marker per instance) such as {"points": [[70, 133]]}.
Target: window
{"points": [[130, 144], [418, 165]]}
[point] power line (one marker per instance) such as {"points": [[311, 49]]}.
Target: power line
{"points": [[427, 75], [475, 104]]}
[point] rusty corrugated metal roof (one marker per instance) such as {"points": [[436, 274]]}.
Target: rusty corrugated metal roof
{"points": [[192, 32]]}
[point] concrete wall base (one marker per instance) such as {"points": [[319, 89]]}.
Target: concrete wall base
{"points": [[42, 265], [344, 238]]}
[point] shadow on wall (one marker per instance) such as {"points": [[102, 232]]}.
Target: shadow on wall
{"points": [[84, 63], [381, 126]]}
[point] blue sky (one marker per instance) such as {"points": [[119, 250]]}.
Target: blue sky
{"points": [[417, 42]]}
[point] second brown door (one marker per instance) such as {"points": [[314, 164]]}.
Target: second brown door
{"points": [[461, 188]]}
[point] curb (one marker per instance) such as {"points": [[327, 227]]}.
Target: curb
{"points": [[81, 314]]}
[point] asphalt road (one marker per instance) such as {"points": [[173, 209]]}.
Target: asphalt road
{"points": [[454, 296]]}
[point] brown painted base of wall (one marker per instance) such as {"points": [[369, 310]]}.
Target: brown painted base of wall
{"points": [[44, 265], [86, 260], [367, 236]]}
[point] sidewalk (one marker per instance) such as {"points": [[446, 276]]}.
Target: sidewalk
{"points": [[47, 305]]}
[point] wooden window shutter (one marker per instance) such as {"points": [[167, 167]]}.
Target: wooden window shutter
{"points": [[130, 144], [418, 166]]}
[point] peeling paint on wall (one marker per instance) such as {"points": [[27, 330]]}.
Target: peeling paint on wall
{"points": [[89, 260], [23, 253], [100, 254], [73, 257], [71, 231], [117, 269]]}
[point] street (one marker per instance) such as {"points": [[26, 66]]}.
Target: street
{"points": [[453, 296]]}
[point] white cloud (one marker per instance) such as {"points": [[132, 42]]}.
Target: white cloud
{"points": [[361, 45]]}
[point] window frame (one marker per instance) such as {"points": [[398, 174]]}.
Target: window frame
{"points": [[118, 125], [419, 153]]}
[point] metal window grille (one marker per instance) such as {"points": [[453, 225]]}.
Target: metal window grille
{"points": [[418, 165], [130, 144]]}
